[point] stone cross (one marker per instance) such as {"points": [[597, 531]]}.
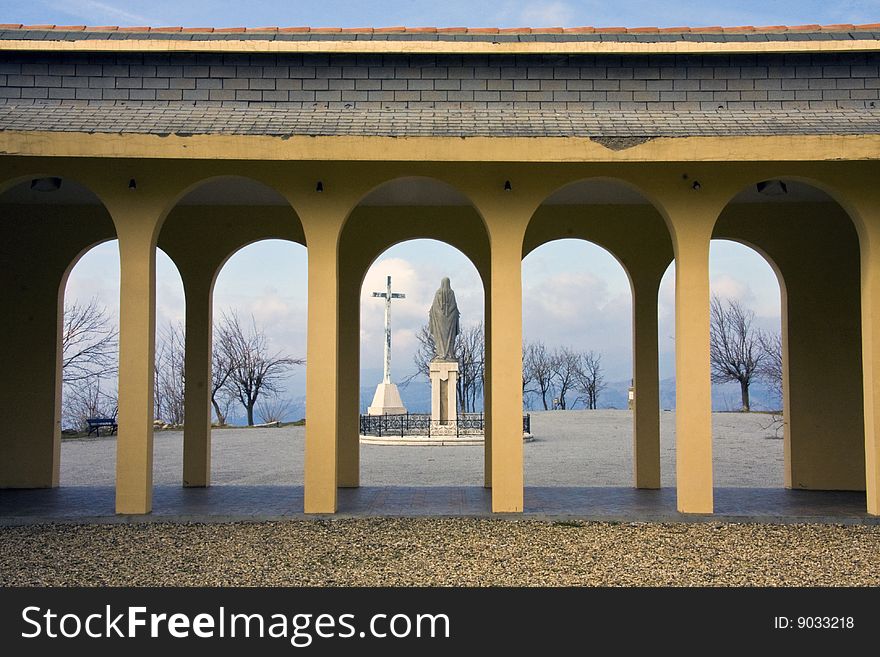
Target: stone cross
{"points": [[388, 295]]}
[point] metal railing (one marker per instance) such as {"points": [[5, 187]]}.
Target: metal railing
{"points": [[421, 424]]}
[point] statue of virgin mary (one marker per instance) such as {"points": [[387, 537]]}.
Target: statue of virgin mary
{"points": [[443, 322]]}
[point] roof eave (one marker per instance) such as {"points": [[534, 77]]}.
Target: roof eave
{"points": [[483, 47]]}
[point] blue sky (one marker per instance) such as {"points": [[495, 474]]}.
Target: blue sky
{"points": [[576, 285], [500, 13]]}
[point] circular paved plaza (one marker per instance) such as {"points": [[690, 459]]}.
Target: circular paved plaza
{"points": [[571, 449]]}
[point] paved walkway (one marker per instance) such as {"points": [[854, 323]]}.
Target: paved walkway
{"points": [[580, 465], [232, 503]]}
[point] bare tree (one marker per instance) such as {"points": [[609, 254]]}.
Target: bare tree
{"points": [[771, 365], [256, 371], [735, 348], [470, 349], [84, 399], [89, 348], [771, 373], [170, 380], [222, 365], [470, 346], [274, 408], [89, 342], [527, 375], [422, 357], [564, 364], [590, 380], [538, 363]]}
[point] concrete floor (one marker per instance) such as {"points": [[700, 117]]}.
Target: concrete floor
{"points": [[579, 465]]}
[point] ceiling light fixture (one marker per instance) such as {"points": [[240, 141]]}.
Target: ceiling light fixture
{"points": [[772, 188], [46, 184]]}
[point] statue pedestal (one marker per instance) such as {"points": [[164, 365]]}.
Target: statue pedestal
{"points": [[386, 401], [444, 384]]}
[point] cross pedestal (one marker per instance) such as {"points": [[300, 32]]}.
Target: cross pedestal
{"points": [[444, 383], [386, 401]]}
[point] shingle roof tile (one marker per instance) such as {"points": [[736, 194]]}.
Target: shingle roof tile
{"points": [[433, 122]]}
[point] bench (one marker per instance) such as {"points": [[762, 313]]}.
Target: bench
{"points": [[96, 423]]}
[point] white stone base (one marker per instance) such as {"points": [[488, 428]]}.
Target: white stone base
{"points": [[444, 397], [386, 401]]}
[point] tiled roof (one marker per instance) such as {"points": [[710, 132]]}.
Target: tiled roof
{"points": [[433, 122], [871, 31]]}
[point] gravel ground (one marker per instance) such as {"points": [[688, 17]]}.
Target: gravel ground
{"points": [[576, 448], [439, 552], [572, 448]]}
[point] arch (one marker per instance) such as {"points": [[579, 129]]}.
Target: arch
{"points": [[404, 227], [419, 261], [218, 245], [217, 214], [629, 186], [387, 185], [194, 186], [38, 256], [367, 232], [629, 204], [815, 253], [631, 192], [630, 224], [834, 194]]}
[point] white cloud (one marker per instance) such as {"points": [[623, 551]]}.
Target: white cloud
{"points": [[728, 287], [576, 310]]}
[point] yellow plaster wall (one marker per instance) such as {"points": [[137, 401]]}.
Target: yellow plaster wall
{"points": [[38, 247]]}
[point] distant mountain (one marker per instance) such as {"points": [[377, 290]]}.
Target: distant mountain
{"points": [[724, 397], [416, 397]]}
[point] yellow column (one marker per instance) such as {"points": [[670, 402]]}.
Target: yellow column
{"points": [[136, 227], [197, 373], [487, 394], [505, 367], [349, 377], [692, 219], [646, 381], [322, 415], [870, 258]]}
